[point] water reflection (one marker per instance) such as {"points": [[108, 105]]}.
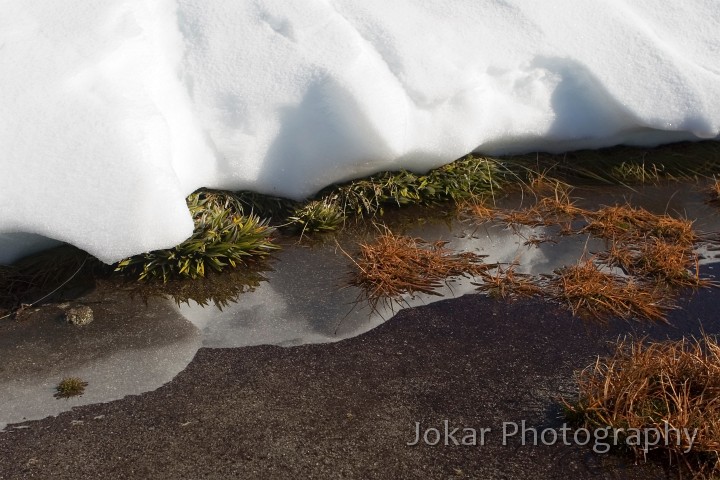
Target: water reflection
{"points": [[307, 298], [301, 297]]}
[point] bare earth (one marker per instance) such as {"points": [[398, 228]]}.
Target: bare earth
{"points": [[347, 410]]}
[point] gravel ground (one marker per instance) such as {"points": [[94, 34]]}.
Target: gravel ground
{"points": [[348, 410]]}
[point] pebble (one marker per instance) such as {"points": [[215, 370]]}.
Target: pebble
{"points": [[79, 315]]}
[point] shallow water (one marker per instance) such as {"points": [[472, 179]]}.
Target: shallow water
{"points": [[132, 347], [307, 300]]}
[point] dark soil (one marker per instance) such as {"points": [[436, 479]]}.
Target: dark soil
{"points": [[347, 410]]}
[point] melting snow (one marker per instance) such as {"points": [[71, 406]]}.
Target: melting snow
{"points": [[112, 112]]}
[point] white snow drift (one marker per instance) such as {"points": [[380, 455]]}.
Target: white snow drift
{"points": [[112, 112]]}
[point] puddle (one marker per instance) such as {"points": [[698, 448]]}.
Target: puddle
{"points": [[131, 347], [307, 300]]}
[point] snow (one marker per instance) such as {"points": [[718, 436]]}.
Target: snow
{"points": [[112, 112]]}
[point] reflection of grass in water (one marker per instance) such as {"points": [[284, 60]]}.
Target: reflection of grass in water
{"points": [[34, 277], [654, 385], [220, 289]]}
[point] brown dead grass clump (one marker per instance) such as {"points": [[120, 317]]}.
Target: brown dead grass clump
{"points": [[559, 205], [657, 261], [507, 283], [626, 223], [478, 212], [714, 190], [395, 265], [589, 291], [554, 208], [657, 248], [667, 386]]}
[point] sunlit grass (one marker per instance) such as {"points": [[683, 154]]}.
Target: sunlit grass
{"points": [[456, 181], [224, 237], [624, 222], [587, 290], [656, 385], [392, 266], [317, 216], [506, 283]]}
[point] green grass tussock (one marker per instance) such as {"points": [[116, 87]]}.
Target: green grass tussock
{"points": [[317, 216], [224, 237], [462, 179]]}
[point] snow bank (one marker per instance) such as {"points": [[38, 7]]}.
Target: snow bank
{"points": [[112, 112]]}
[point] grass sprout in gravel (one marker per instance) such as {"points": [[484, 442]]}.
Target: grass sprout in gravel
{"points": [[70, 387]]}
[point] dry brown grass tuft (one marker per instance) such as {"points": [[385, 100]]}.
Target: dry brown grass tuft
{"points": [[541, 183], [656, 248], [478, 212], [395, 265], [654, 385], [554, 208], [507, 283], [714, 191], [559, 204], [667, 264], [589, 291], [627, 223]]}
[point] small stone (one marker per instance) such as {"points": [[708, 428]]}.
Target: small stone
{"points": [[79, 316]]}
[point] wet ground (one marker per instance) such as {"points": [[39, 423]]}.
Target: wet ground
{"points": [[348, 409], [327, 410]]}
